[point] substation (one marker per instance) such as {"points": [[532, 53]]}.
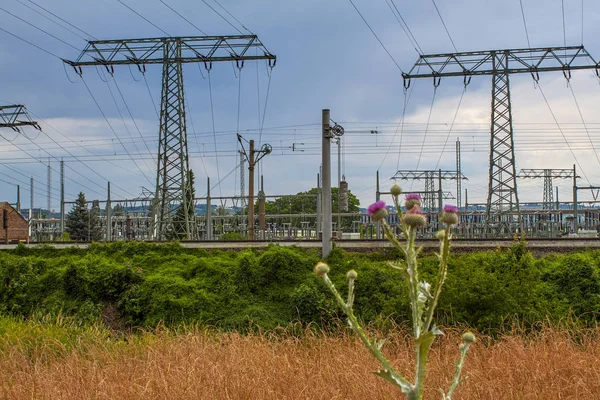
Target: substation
{"points": [[153, 214]]}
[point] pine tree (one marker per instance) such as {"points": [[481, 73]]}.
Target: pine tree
{"points": [[77, 220]]}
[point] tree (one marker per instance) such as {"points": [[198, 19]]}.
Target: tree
{"points": [[306, 203], [82, 225]]}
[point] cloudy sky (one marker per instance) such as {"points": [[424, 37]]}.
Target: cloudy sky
{"points": [[327, 58]]}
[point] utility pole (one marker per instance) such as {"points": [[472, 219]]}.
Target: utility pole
{"points": [[242, 180], [31, 196], [19, 199], [172, 183], [329, 132], [458, 173], [49, 188], [62, 197], [326, 191], [108, 216], [502, 211], [253, 157]]}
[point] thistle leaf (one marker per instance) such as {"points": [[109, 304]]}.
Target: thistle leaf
{"points": [[388, 376], [436, 331]]}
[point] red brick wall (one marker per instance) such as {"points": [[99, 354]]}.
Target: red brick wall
{"points": [[18, 227]]}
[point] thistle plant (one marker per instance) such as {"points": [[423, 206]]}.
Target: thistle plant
{"points": [[423, 298]]}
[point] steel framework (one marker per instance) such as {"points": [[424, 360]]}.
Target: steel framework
{"points": [[548, 175], [12, 117], [173, 184], [502, 211], [429, 176]]}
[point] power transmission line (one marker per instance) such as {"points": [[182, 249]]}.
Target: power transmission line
{"points": [[376, 37]]}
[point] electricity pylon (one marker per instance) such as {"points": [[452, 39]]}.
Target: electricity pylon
{"points": [[502, 211], [548, 175], [11, 117], [173, 187], [429, 176]]}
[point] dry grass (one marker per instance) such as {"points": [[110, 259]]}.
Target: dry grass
{"points": [[549, 365]]}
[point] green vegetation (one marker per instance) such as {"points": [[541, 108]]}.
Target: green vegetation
{"points": [[83, 224], [143, 284]]}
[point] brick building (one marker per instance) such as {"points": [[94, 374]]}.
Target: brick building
{"points": [[18, 228]]}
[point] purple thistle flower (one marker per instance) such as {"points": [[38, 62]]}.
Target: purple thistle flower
{"points": [[450, 215], [413, 196], [450, 208], [377, 211], [373, 208]]}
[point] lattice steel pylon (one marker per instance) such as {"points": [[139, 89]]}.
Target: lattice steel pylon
{"points": [[503, 198], [173, 186], [430, 194], [548, 174], [502, 211]]}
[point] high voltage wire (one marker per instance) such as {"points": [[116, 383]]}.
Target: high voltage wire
{"points": [[111, 127], [445, 27], [54, 55], [182, 17], [404, 25], [376, 37], [144, 18]]}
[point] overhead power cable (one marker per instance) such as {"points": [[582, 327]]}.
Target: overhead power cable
{"points": [[56, 16], [39, 29], [404, 26], [376, 37], [232, 16], [112, 129], [563, 135], [445, 27], [51, 20], [144, 18], [223, 18], [182, 17]]}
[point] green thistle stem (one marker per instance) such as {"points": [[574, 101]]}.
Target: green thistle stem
{"points": [[404, 384], [443, 271]]}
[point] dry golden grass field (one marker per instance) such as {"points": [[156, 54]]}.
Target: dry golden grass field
{"points": [[551, 364]]}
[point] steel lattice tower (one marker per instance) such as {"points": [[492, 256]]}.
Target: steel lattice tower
{"points": [[502, 211], [548, 175], [548, 191], [503, 200], [173, 184]]}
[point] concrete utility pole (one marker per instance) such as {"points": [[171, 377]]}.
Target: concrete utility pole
{"points": [[209, 230], [253, 157], [261, 209], [62, 197], [329, 132], [108, 217], [326, 191]]}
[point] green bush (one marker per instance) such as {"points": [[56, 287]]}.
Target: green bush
{"points": [[149, 283]]}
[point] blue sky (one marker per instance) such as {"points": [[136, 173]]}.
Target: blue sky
{"points": [[327, 58]]}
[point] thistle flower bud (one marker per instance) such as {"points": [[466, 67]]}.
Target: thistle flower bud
{"points": [[321, 269], [351, 275], [377, 211], [440, 235], [468, 337], [396, 190], [450, 215], [414, 218], [412, 200]]}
